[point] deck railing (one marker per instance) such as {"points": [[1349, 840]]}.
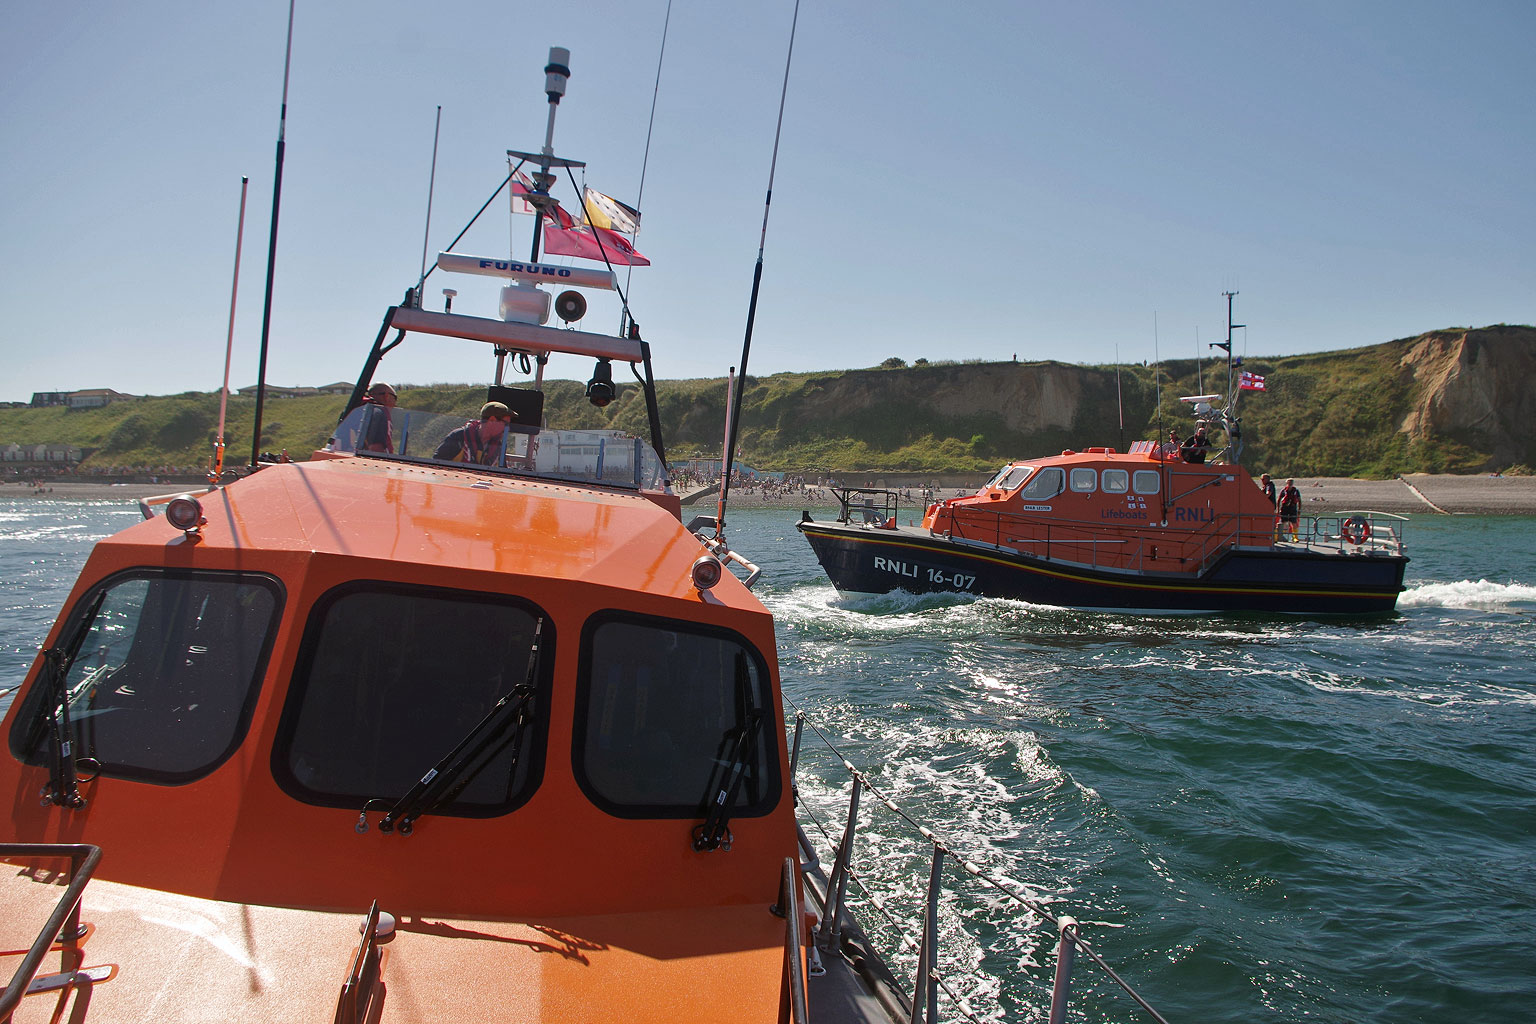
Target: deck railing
{"points": [[63, 925], [929, 978]]}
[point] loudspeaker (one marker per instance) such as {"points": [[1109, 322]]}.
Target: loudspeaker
{"points": [[570, 306]]}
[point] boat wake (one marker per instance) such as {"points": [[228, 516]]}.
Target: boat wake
{"points": [[1480, 594]]}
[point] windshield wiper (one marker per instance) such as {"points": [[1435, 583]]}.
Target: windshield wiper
{"points": [[725, 782], [63, 789], [514, 708]]}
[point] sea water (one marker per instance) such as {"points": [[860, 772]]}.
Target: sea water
{"points": [[1254, 817]]}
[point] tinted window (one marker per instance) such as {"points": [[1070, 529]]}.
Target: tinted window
{"points": [[1013, 477], [391, 678], [1084, 479], [1045, 484], [1147, 481], [1116, 481], [166, 674], [661, 706]]}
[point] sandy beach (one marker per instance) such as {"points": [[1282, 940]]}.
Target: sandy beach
{"points": [[1431, 494]]}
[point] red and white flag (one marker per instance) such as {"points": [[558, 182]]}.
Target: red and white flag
{"points": [[1250, 382], [563, 238], [521, 186]]}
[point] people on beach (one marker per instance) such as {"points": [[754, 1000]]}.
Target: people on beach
{"points": [[1290, 508], [377, 431], [479, 440]]}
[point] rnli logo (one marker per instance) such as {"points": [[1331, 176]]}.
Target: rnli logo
{"points": [[1194, 515]]}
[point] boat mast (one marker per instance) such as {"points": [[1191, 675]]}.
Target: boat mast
{"points": [[1229, 414]]}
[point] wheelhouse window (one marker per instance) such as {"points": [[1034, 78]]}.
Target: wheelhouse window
{"points": [[663, 710], [1147, 481], [391, 678], [1115, 481], [1084, 479], [1010, 478], [1045, 484], [165, 672]]}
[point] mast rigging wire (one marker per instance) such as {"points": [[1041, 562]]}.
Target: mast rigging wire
{"points": [[649, 128]]}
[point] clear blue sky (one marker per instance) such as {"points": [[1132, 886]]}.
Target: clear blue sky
{"points": [[962, 181]]}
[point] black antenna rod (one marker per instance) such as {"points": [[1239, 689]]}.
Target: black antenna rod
{"points": [[733, 424], [277, 198]]}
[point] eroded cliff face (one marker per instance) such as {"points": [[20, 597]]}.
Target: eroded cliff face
{"points": [[1478, 387], [1029, 397]]}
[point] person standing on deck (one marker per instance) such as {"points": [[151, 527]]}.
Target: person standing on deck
{"points": [[1268, 487], [1290, 507]]}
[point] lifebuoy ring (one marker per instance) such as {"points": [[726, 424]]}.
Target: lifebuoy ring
{"points": [[1356, 530]]}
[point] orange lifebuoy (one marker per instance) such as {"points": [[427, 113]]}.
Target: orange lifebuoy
{"points": [[1356, 530]]}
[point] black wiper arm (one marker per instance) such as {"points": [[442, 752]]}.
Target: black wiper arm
{"points": [[513, 706], [725, 783], [63, 783]]}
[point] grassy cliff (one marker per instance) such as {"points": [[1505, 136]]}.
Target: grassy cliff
{"points": [[1446, 401]]}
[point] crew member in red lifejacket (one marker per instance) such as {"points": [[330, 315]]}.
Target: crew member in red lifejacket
{"points": [[478, 440], [1290, 507]]}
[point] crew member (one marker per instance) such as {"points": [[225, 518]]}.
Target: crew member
{"points": [[378, 433], [1290, 507], [1195, 447], [1268, 487], [478, 440]]}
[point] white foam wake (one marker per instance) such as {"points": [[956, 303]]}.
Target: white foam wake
{"points": [[1468, 594]]}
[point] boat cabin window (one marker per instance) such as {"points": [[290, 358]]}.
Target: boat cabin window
{"points": [[165, 675], [1084, 478], [1147, 481], [1012, 477], [662, 707], [391, 678], [1045, 484], [1115, 481]]}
